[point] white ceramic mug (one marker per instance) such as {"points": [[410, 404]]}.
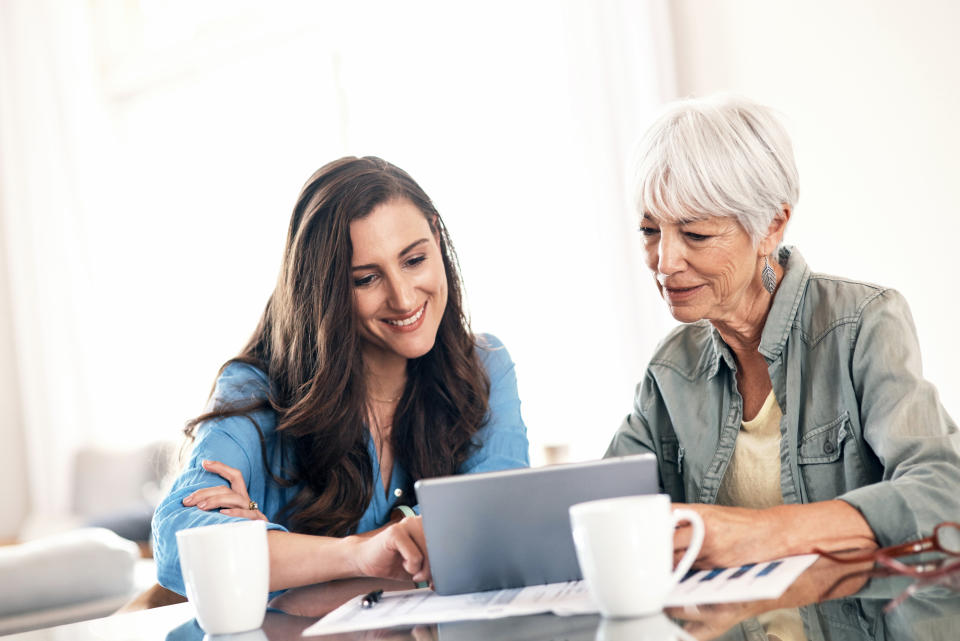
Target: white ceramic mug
{"points": [[226, 570], [625, 549]]}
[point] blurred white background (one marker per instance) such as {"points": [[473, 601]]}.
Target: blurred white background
{"points": [[151, 152]]}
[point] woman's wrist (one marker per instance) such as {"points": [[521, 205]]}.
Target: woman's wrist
{"points": [[779, 531], [350, 552]]}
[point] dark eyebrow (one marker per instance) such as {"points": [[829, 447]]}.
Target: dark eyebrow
{"points": [[406, 250]]}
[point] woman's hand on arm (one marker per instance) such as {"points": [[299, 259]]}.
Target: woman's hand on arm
{"points": [[735, 536], [232, 500]]}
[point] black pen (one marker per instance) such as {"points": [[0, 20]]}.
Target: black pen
{"points": [[370, 598]]}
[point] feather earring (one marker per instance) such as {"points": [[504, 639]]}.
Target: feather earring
{"points": [[768, 277]]}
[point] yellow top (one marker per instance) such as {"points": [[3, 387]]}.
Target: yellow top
{"points": [[752, 480]]}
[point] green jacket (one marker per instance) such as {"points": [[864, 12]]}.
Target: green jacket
{"points": [[860, 423]]}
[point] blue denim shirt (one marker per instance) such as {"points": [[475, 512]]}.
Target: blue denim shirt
{"points": [[236, 442], [859, 423]]}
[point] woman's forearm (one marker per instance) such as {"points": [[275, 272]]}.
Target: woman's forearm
{"points": [[827, 525], [396, 551], [303, 559], [736, 535]]}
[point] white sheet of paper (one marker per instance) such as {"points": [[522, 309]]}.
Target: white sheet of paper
{"points": [[747, 583], [412, 607]]}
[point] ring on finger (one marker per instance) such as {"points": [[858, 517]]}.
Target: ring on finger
{"points": [[253, 505]]}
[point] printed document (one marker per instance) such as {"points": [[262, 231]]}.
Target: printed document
{"points": [[722, 585]]}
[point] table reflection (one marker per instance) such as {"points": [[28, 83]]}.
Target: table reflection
{"points": [[836, 601]]}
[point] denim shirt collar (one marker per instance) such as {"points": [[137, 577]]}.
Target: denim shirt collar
{"points": [[786, 303], [720, 353], [780, 318]]}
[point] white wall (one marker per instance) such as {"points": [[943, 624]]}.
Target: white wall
{"points": [[13, 474], [870, 90], [155, 153]]}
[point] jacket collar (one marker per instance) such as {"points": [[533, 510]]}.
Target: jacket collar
{"points": [[786, 303], [782, 314]]}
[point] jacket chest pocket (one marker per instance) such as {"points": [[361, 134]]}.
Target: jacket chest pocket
{"points": [[824, 444], [822, 456]]}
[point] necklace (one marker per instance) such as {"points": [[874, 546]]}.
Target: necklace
{"points": [[381, 437]]}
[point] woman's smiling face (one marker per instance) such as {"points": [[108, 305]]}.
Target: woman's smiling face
{"points": [[400, 286], [704, 267]]}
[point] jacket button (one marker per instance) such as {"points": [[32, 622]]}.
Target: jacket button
{"points": [[829, 447], [850, 609], [398, 492]]}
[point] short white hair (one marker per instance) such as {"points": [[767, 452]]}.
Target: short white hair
{"points": [[717, 156]]}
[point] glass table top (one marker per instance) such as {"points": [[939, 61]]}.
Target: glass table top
{"points": [[837, 601]]}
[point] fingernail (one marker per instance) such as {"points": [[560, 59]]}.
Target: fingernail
{"points": [[202, 504]]}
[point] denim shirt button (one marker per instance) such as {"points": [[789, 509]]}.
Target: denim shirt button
{"points": [[398, 492], [850, 610], [829, 447]]}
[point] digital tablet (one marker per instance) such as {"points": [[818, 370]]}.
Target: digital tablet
{"points": [[511, 529]]}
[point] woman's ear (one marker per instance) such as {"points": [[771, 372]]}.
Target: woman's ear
{"points": [[775, 232]]}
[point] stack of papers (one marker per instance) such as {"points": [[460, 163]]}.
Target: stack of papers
{"points": [[412, 607]]}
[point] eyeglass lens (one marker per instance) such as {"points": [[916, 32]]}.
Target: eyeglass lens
{"points": [[948, 537]]}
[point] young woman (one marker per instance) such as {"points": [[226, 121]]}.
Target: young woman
{"points": [[361, 377]]}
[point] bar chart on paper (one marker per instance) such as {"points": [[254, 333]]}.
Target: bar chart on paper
{"points": [[745, 583]]}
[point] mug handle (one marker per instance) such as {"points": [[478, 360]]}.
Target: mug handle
{"points": [[696, 541]]}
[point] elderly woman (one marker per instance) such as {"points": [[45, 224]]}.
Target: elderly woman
{"points": [[790, 406]]}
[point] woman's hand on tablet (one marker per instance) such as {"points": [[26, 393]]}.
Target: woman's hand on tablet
{"points": [[397, 551]]}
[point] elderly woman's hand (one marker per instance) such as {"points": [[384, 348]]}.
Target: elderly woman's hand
{"points": [[732, 536], [232, 500]]}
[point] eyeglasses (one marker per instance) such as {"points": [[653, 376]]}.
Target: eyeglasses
{"points": [[945, 572], [945, 538]]}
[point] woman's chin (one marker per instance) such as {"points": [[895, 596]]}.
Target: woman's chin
{"points": [[406, 346], [685, 314], [414, 348], [412, 354]]}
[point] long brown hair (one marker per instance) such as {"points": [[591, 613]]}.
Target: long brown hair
{"points": [[307, 343]]}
